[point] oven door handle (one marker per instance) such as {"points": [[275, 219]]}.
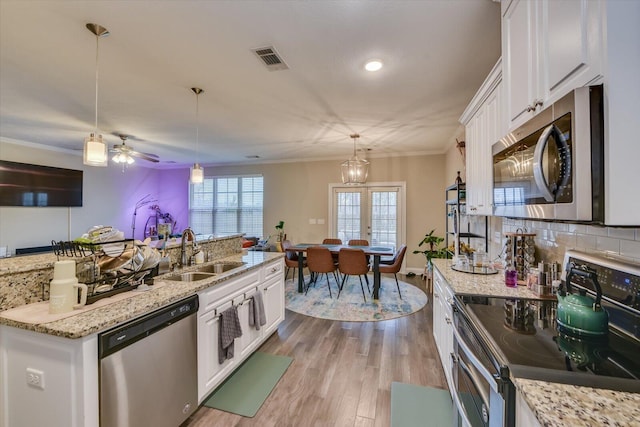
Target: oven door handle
{"points": [[564, 156], [475, 361]]}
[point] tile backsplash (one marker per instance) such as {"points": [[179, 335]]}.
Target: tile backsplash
{"points": [[553, 239]]}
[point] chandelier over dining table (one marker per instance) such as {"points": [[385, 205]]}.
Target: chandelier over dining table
{"points": [[355, 170]]}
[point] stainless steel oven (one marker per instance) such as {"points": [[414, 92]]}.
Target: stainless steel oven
{"points": [[498, 338], [552, 167], [483, 393]]}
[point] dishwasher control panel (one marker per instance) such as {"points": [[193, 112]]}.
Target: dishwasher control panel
{"points": [[130, 332]]}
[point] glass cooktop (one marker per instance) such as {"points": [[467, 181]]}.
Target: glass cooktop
{"points": [[523, 334]]}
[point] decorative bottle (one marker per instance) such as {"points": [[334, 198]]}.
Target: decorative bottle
{"points": [[510, 276]]}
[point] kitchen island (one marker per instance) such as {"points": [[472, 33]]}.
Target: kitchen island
{"points": [[541, 402], [65, 351]]}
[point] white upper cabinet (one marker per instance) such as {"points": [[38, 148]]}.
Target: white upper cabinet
{"points": [[549, 48], [483, 127]]}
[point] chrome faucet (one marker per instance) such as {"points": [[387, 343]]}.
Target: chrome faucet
{"points": [[183, 252]]}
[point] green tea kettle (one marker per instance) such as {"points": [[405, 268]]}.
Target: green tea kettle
{"points": [[579, 314]]}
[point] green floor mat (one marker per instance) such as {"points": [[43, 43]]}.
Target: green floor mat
{"points": [[413, 405], [245, 391]]}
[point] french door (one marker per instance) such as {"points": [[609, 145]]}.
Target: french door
{"points": [[374, 212]]}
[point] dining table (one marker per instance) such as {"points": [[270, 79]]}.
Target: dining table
{"points": [[375, 251]]}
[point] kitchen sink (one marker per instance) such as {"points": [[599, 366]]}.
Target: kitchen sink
{"points": [[191, 276], [220, 267]]}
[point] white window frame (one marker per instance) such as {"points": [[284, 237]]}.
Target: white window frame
{"points": [[229, 177], [402, 207]]}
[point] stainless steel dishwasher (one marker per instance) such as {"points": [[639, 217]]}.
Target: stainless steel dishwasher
{"points": [[148, 368]]}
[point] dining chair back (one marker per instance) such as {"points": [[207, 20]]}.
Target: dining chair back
{"points": [[291, 259], [320, 261], [395, 266], [331, 241], [358, 242], [353, 262]]}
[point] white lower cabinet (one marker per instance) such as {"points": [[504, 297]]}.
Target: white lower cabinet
{"points": [[443, 323], [269, 281], [273, 295]]}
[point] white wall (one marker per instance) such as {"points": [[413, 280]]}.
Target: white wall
{"points": [[296, 192], [109, 197]]}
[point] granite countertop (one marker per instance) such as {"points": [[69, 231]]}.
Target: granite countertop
{"points": [[16, 264], [554, 404], [479, 284], [569, 405], [141, 302]]}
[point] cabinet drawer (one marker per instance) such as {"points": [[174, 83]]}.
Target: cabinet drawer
{"points": [[273, 270], [212, 296]]}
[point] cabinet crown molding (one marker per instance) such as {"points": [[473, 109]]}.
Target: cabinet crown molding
{"points": [[490, 83]]}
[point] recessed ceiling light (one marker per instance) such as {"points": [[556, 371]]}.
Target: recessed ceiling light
{"points": [[373, 65]]}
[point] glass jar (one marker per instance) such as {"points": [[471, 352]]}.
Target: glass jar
{"points": [[510, 276]]}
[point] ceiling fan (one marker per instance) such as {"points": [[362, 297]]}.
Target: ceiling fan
{"points": [[125, 154]]}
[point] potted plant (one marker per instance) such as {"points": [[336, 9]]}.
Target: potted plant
{"points": [[431, 251]]}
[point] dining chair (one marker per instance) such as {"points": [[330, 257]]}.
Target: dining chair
{"points": [[353, 262], [395, 267], [320, 261], [291, 259], [331, 241], [362, 242]]}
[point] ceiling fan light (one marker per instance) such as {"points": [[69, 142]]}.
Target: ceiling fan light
{"points": [[95, 151], [197, 174], [130, 160]]}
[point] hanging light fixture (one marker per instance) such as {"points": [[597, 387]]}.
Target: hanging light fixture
{"points": [[355, 170], [95, 149], [197, 173]]}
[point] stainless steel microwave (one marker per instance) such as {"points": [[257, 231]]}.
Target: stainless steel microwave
{"points": [[552, 167]]}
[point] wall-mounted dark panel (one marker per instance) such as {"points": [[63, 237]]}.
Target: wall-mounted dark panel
{"points": [[23, 184]]}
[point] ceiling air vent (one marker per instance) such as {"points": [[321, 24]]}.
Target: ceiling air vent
{"points": [[270, 58]]}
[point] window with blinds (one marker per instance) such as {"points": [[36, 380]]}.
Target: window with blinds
{"points": [[231, 204]]}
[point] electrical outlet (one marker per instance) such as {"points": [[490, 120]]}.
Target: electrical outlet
{"points": [[35, 378]]}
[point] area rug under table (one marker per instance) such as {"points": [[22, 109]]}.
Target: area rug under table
{"points": [[350, 306], [245, 391]]}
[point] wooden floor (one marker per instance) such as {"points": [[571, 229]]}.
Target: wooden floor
{"points": [[342, 371]]}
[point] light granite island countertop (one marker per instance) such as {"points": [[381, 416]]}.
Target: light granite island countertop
{"points": [[553, 404], [131, 304]]}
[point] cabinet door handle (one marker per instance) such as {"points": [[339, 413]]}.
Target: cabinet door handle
{"points": [[448, 320], [274, 269], [536, 103], [436, 296]]}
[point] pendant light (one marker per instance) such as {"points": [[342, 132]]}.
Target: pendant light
{"points": [[355, 170], [197, 173], [95, 149]]}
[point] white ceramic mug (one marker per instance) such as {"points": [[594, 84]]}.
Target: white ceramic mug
{"points": [[63, 290]]}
